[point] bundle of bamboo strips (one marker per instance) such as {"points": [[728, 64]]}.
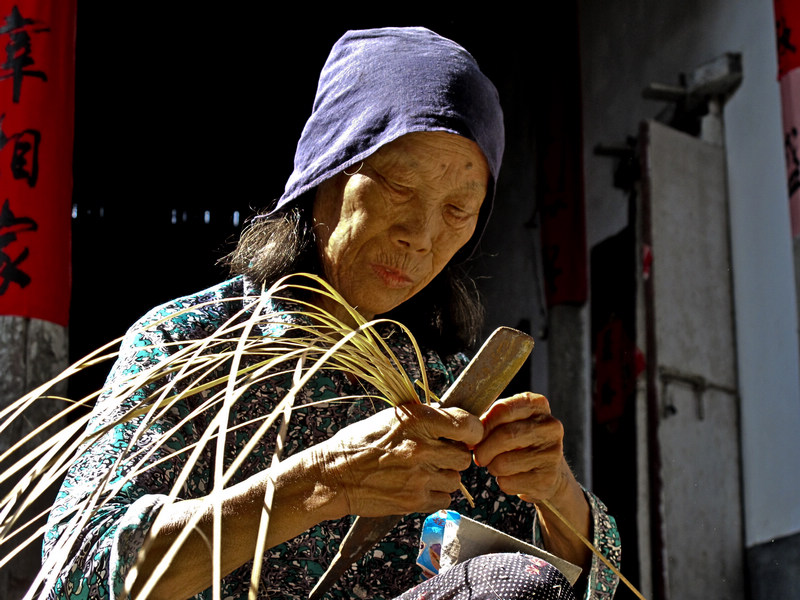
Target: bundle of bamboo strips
{"points": [[213, 370]]}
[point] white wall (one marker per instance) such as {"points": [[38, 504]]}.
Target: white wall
{"points": [[625, 46]]}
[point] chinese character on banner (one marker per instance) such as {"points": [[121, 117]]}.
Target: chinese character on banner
{"points": [[10, 270], [37, 82], [25, 142], [787, 34]]}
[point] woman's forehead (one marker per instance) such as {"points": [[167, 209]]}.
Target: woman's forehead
{"points": [[433, 151]]}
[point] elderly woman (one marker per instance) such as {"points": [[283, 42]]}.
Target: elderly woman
{"points": [[393, 183]]}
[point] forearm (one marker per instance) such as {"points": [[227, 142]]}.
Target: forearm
{"points": [[557, 536], [301, 501]]}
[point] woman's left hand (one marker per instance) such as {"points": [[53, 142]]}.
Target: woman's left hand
{"points": [[523, 448]]}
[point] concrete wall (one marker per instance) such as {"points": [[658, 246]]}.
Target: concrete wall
{"points": [[625, 46], [31, 353]]}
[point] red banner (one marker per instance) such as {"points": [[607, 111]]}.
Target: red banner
{"points": [[787, 25], [37, 82], [787, 33]]}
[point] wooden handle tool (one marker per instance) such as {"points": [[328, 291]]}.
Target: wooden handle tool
{"points": [[478, 386]]}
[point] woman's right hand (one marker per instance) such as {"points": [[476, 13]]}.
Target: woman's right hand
{"points": [[398, 461], [401, 460]]}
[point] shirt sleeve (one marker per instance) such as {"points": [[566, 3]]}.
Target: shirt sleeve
{"points": [[105, 548], [601, 582]]}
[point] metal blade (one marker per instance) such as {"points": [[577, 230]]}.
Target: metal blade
{"points": [[480, 384], [488, 374]]}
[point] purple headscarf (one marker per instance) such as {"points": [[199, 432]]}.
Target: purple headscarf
{"points": [[380, 84]]}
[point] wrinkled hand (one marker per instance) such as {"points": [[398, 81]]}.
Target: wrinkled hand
{"points": [[401, 460], [523, 448]]}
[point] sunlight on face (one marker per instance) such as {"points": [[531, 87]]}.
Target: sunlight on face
{"points": [[387, 230]]}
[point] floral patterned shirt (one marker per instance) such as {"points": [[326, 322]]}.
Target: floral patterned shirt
{"points": [[109, 540]]}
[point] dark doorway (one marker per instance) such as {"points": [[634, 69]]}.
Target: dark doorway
{"points": [[613, 335]]}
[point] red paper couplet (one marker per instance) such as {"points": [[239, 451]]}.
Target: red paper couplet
{"points": [[37, 82], [787, 29], [787, 33]]}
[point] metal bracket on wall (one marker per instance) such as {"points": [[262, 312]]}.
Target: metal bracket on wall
{"points": [[697, 383], [701, 92], [627, 171]]}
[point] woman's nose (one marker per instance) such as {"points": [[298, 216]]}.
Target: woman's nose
{"points": [[415, 230]]}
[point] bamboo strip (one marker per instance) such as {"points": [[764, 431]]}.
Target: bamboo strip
{"points": [[592, 547]]}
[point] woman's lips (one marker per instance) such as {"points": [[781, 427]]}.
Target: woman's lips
{"points": [[392, 278]]}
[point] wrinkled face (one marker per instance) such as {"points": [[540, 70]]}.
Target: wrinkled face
{"points": [[387, 230]]}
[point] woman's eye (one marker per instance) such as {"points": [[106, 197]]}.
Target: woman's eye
{"points": [[456, 214]]}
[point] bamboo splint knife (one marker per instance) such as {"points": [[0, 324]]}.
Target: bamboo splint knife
{"points": [[478, 386]]}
